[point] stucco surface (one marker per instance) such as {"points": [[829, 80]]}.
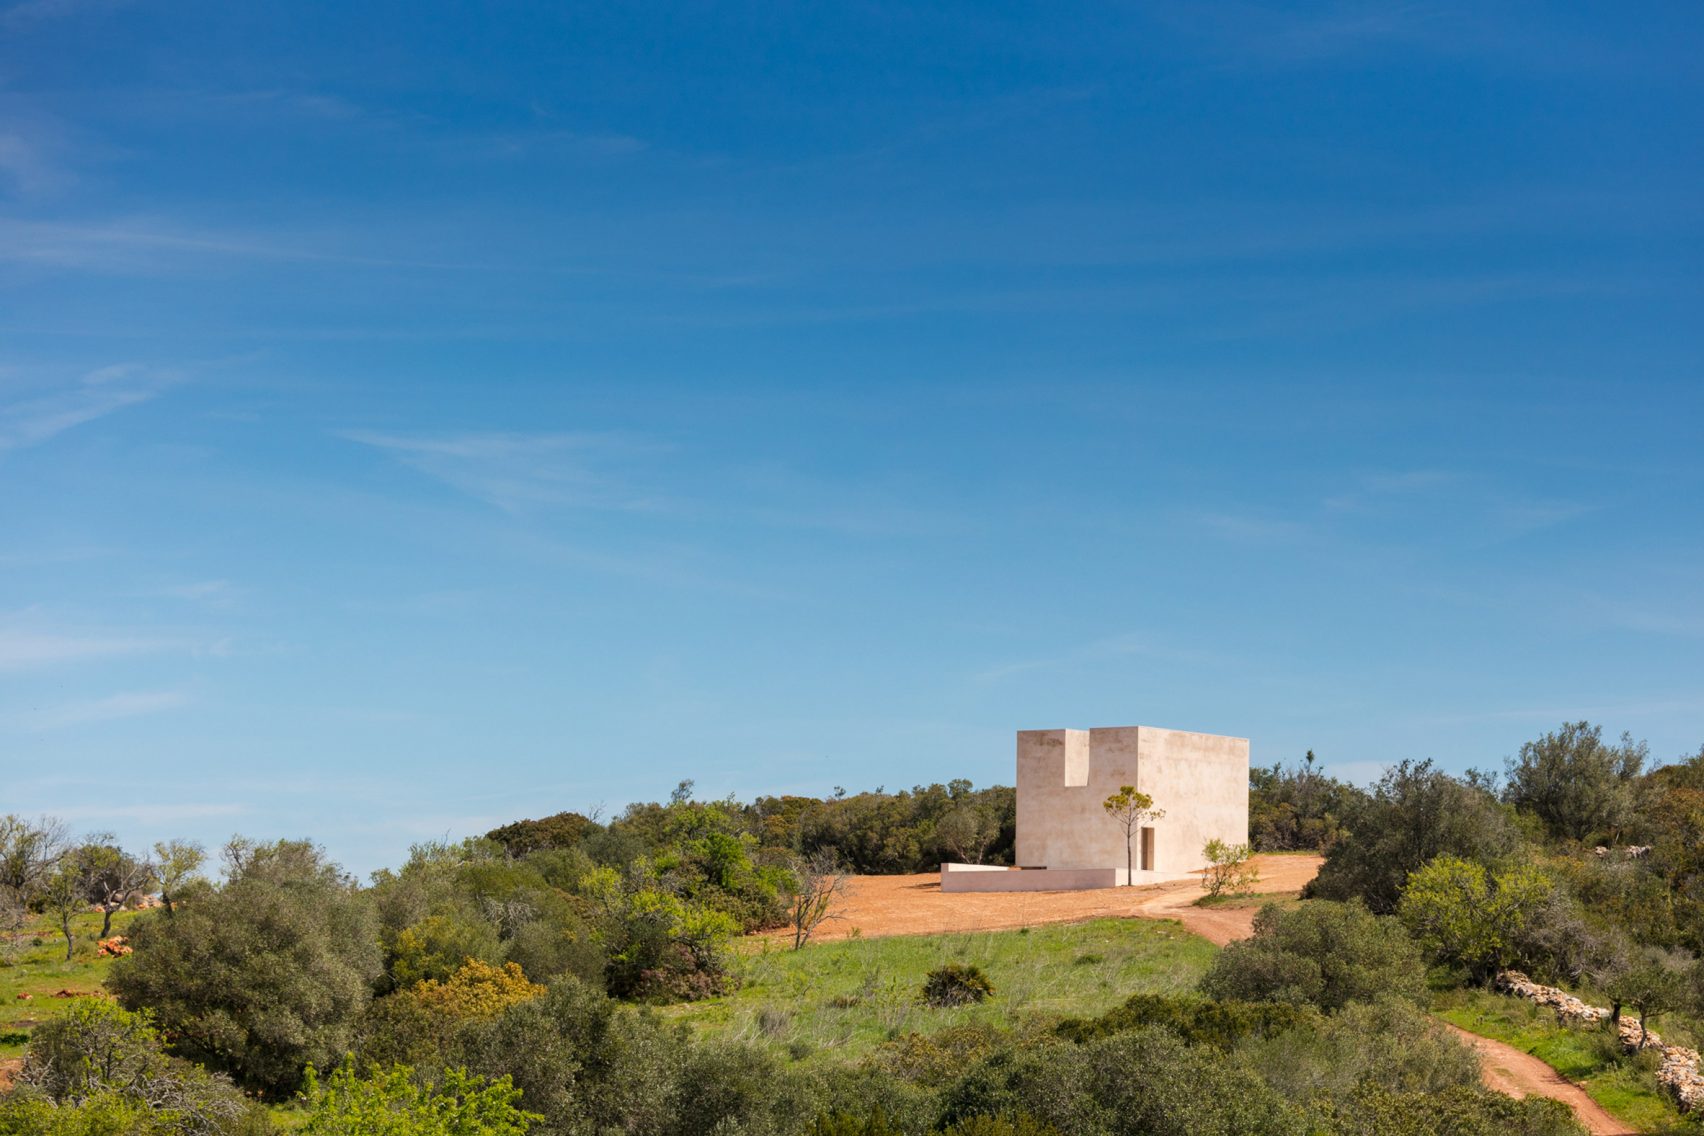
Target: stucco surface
{"points": [[1063, 776], [973, 877]]}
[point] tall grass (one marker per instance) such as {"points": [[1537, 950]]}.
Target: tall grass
{"points": [[848, 996]]}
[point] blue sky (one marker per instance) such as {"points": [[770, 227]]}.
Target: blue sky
{"points": [[416, 416]]}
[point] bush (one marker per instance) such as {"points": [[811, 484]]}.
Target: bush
{"points": [[937, 1058], [107, 1114], [1197, 1020], [1319, 953], [97, 1052], [1228, 868], [955, 985], [263, 976], [477, 990], [1021, 1124], [393, 1102], [1416, 813], [434, 947], [1465, 914], [1458, 1111], [1388, 1045], [1143, 1081]]}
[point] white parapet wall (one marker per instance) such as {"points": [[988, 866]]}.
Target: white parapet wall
{"points": [[985, 877]]}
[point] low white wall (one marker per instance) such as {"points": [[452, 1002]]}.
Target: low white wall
{"points": [[978, 877]]}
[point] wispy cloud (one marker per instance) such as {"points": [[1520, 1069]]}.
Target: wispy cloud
{"points": [[1472, 502], [517, 472], [145, 245], [42, 416], [211, 593], [128, 704], [24, 649], [1244, 528], [25, 165], [1376, 488]]}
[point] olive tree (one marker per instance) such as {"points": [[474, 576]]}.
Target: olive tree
{"points": [[1652, 981], [1466, 913], [113, 877], [1415, 813], [177, 865], [30, 851], [1575, 783], [264, 975]]}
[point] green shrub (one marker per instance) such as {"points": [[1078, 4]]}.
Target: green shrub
{"points": [[938, 1058], [112, 1061], [848, 1124], [955, 985], [1320, 953], [1415, 813], [1143, 1081], [393, 1102], [1388, 1045], [1460, 1111], [1020, 1124], [263, 976], [1197, 1020]]}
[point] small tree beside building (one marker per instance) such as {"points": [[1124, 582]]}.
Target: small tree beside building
{"points": [[1131, 811]]}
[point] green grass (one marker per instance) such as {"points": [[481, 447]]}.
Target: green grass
{"points": [[847, 997], [1252, 899], [33, 962], [1624, 1084]]}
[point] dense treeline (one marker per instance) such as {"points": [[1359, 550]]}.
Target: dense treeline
{"points": [[873, 833], [500, 985]]}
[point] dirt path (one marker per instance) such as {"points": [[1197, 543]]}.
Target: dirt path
{"points": [[1279, 875], [1518, 1074]]}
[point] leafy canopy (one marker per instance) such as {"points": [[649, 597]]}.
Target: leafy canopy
{"points": [[393, 1102]]}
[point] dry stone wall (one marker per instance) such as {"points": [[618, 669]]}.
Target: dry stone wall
{"points": [[1681, 1072]]}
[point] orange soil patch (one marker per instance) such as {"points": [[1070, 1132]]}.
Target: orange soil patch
{"points": [[879, 906]]}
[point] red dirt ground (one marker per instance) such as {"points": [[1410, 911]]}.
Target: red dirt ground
{"points": [[878, 906]]}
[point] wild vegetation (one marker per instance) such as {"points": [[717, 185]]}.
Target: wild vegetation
{"points": [[566, 975]]}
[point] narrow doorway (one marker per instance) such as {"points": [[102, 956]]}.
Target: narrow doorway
{"points": [[1147, 849]]}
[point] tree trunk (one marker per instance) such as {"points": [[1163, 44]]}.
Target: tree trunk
{"points": [[65, 926], [167, 900], [106, 919], [1615, 1016], [1129, 873]]}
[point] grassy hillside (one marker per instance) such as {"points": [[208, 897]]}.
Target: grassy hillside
{"points": [[847, 997], [34, 963]]}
